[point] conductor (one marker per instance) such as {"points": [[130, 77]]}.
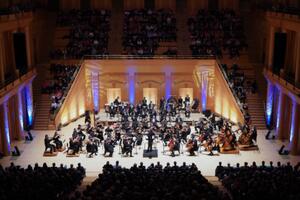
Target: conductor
{"points": [[150, 137]]}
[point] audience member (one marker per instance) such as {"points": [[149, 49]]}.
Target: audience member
{"points": [[39, 182], [145, 29]]}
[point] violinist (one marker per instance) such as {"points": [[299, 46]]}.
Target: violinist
{"points": [[56, 139]]}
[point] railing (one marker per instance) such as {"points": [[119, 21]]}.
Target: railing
{"points": [[287, 10], [67, 90], [284, 79], [103, 57], [11, 79], [13, 82], [14, 16], [232, 90]]}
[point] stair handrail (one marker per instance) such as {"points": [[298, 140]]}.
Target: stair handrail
{"points": [[75, 74], [231, 89], [115, 56]]}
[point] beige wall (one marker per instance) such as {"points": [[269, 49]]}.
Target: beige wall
{"points": [[225, 103], [148, 74], [75, 103]]}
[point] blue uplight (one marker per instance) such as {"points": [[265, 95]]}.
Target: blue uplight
{"points": [[20, 107], [131, 85], [279, 110], [95, 91], [168, 84], [293, 121], [204, 93], [6, 126], [29, 104], [269, 106]]}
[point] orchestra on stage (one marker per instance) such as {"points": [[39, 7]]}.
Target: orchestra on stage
{"points": [[145, 126]]}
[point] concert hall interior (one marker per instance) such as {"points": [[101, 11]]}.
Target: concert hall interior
{"points": [[154, 99]]}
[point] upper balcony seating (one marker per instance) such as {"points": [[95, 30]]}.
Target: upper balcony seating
{"points": [[144, 30]]}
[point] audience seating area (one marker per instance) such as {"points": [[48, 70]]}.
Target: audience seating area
{"points": [[88, 33], [239, 86], [144, 30], [39, 182], [57, 87], [261, 182], [154, 182], [215, 32], [17, 8]]}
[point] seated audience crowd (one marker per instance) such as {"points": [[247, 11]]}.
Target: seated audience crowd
{"points": [[145, 29], [213, 32], [88, 33], [239, 86], [261, 182], [63, 76], [39, 182], [154, 182], [17, 8]]}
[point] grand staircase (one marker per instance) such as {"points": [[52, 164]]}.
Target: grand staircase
{"points": [[256, 110], [42, 102], [254, 101]]}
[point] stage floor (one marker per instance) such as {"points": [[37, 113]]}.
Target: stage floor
{"points": [[32, 152]]}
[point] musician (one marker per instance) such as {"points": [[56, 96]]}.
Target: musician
{"points": [[48, 145], [162, 104], [56, 139], [150, 137], [108, 131], [92, 148], [74, 145], [192, 146], [195, 104], [187, 110], [116, 102], [109, 147], [174, 145], [180, 102], [186, 100], [178, 119], [127, 146], [144, 103], [131, 110], [139, 138], [112, 110]]}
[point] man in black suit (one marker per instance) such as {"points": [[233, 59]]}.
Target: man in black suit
{"points": [[150, 137]]}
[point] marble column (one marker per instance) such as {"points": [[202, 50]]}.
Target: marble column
{"points": [[295, 127], [280, 115]]}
